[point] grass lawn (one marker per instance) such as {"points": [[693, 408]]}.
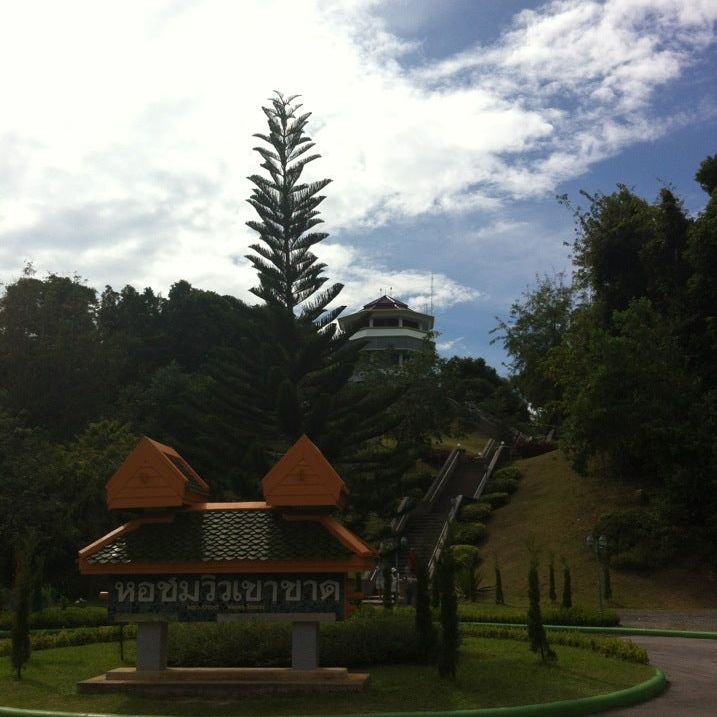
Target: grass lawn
{"points": [[560, 508], [491, 673]]}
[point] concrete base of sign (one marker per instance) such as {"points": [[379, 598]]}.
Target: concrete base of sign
{"points": [[151, 646], [304, 645], [215, 683]]}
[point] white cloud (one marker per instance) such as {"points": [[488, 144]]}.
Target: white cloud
{"points": [[367, 279], [125, 136]]}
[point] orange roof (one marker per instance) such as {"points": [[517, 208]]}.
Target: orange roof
{"points": [[303, 478], [155, 476]]}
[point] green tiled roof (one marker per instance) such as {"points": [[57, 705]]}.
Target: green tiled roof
{"points": [[222, 535]]}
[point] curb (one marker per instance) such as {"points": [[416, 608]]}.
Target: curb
{"points": [[646, 631], [566, 708]]}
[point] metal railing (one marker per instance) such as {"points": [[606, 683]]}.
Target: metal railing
{"points": [[443, 475], [438, 549], [493, 458]]}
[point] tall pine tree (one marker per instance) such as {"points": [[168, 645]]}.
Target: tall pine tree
{"points": [[290, 374]]}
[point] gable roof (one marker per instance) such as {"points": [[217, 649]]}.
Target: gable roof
{"points": [[229, 537], [155, 476], [303, 478]]}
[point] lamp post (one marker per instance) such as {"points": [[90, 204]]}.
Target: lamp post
{"points": [[598, 545]]}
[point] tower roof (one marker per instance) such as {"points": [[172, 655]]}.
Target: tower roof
{"points": [[386, 302]]}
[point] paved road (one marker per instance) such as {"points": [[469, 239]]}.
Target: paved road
{"points": [[691, 668]]}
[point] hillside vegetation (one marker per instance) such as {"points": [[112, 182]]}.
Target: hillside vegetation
{"points": [[559, 508]]}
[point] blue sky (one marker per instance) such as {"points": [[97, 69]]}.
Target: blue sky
{"points": [[447, 126]]}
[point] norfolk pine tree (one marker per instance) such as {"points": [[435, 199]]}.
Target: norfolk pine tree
{"points": [[292, 375]]}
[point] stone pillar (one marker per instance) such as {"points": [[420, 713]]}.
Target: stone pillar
{"points": [[151, 646], [305, 645]]}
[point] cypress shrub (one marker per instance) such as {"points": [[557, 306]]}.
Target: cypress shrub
{"points": [[567, 601], [20, 632], [511, 472], [499, 599], [607, 584], [448, 649], [496, 500], [425, 629], [502, 485], [536, 632], [551, 580], [471, 533], [475, 512]]}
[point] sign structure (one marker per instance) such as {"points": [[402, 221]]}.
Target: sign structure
{"points": [[208, 598]]}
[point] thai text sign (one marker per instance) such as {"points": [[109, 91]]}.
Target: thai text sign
{"points": [[212, 597]]}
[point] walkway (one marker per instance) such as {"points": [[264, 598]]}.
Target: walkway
{"points": [[690, 665]]}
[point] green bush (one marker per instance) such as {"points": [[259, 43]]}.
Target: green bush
{"points": [[502, 485], [510, 473], [474, 512], [496, 500], [465, 555], [606, 646], [470, 533], [576, 616], [637, 539], [73, 637], [368, 637], [57, 617]]}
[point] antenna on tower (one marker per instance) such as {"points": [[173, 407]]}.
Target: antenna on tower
{"points": [[431, 311]]}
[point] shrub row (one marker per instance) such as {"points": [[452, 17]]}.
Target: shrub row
{"points": [[369, 637], [471, 512], [73, 637], [577, 616], [528, 449], [606, 646], [57, 617], [496, 500], [511, 473], [502, 485], [470, 533]]}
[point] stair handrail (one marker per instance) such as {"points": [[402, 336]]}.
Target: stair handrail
{"points": [[399, 522], [489, 470], [438, 549], [443, 475]]}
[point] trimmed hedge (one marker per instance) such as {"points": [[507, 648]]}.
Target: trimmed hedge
{"points": [[511, 472], [502, 485], [606, 646], [57, 617], [474, 512], [529, 449], [369, 637], [470, 533], [577, 616], [73, 637], [496, 500]]}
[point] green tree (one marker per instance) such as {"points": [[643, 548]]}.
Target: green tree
{"points": [[567, 599], [450, 638], [291, 372], [536, 632], [50, 354], [425, 628], [537, 324], [499, 599], [551, 579], [621, 408], [22, 593]]}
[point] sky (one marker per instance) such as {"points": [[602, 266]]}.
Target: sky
{"points": [[448, 128]]}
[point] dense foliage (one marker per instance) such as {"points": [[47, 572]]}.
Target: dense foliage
{"points": [[621, 359]]}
